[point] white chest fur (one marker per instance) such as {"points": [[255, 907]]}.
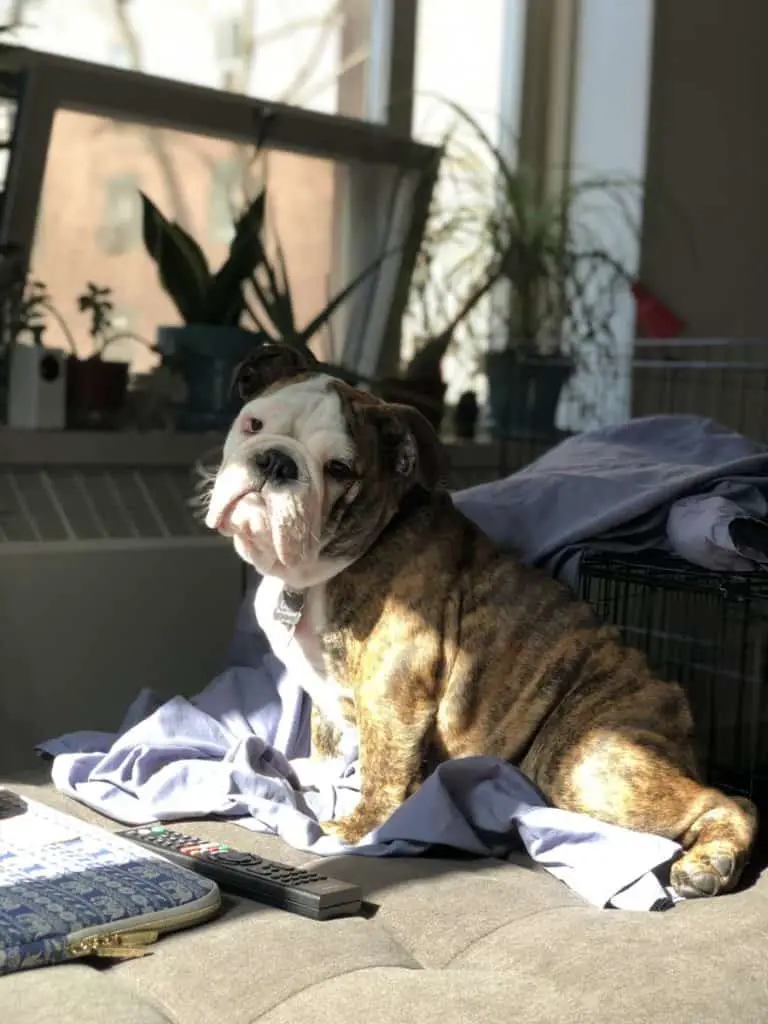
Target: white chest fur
{"points": [[299, 648]]}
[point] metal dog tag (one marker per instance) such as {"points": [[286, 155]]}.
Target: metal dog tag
{"points": [[290, 607]]}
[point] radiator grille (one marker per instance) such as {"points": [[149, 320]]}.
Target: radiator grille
{"points": [[93, 503]]}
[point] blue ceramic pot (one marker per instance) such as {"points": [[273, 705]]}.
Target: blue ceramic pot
{"points": [[206, 357], [523, 393]]}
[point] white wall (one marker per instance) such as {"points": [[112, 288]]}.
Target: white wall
{"points": [[705, 244]]}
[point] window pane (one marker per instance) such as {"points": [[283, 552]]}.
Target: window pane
{"points": [[447, 68], [309, 53], [7, 119], [89, 224], [479, 78]]}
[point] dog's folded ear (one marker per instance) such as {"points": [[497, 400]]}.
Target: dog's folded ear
{"points": [[270, 362], [410, 447]]}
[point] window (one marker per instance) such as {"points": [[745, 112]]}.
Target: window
{"points": [[483, 80], [118, 55], [341, 194], [7, 119], [121, 226], [232, 47], [174, 171], [294, 51], [225, 176]]}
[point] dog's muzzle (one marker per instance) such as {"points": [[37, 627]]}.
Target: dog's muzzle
{"points": [[275, 467], [254, 471]]}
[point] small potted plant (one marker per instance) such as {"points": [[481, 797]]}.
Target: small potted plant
{"points": [[206, 350], [36, 397], [96, 387]]}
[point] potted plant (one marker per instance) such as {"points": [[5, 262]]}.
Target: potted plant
{"points": [[37, 383], [562, 278], [563, 282], [207, 349], [251, 286], [96, 387]]}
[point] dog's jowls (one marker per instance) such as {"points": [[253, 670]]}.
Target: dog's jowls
{"points": [[430, 641]]}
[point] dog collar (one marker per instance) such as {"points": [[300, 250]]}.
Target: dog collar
{"points": [[290, 607]]}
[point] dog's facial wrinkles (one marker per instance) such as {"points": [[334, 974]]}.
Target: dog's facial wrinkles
{"points": [[270, 489], [312, 471]]}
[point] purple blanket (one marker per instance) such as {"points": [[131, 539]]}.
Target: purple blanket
{"points": [[239, 750]]}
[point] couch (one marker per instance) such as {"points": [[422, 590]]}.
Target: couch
{"points": [[443, 940]]}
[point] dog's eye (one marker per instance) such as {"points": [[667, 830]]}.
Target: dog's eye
{"points": [[252, 425], [338, 470]]}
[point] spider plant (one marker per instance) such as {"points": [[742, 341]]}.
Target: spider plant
{"points": [[547, 242], [560, 268]]}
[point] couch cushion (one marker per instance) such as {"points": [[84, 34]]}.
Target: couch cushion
{"points": [[447, 939], [73, 994], [392, 995]]}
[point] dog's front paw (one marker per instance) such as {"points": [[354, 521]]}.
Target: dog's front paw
{"points": [[352, 827]]}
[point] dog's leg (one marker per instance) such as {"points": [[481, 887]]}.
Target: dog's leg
{"points": [[391, 758], [631, 778], [326, 736]]}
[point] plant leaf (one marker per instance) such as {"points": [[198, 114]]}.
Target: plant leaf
{"points": [[178, 258], [265, 301], [225, 303], [275, 295], [284, 287]]}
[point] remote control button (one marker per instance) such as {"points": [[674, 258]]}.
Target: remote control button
{"points": [[159, 830], [234, 857]]}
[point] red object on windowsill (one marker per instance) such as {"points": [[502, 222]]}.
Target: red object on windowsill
{"points": [[655, 320]]}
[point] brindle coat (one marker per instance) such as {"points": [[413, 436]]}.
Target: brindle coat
{"points": [[452, 647]]}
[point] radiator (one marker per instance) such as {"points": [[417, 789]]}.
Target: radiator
{"points": [[108, 584]]}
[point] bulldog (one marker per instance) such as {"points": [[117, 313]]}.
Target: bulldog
{"points": [[410, 625]]}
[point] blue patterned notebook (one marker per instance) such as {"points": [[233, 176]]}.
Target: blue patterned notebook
{"points": [[70, 890]]}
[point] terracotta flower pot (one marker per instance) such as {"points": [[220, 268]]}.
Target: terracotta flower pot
{"points": [[96, 392]]}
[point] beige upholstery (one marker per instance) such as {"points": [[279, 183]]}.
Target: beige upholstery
{"points": [[447, 941]]}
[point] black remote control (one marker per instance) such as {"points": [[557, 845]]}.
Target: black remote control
{"points": [[266, 881]]}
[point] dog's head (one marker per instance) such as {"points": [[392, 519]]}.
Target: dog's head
{"points": [[313, 469]]}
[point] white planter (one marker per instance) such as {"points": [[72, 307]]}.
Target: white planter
{"points": [[37, 388]]}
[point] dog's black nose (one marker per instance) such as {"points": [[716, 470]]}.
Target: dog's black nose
{"points": [[277, 467]]}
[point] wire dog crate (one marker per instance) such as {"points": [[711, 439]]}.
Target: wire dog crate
{"points": [[726, 380], [709, 631]]}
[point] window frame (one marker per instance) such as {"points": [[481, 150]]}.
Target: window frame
{"points": [[389, 176]]}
